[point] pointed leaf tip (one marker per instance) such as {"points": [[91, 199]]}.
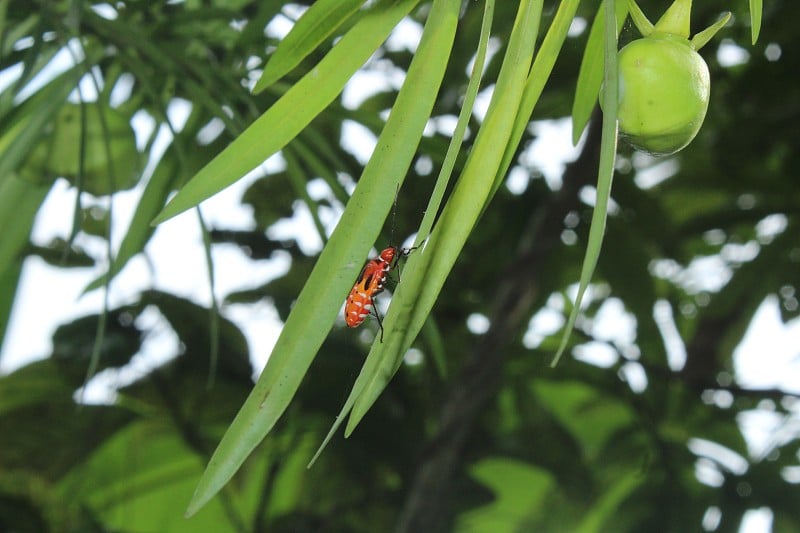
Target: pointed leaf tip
{"points": [[702, 38], [676, 20], [755, 19], [640, 20]]}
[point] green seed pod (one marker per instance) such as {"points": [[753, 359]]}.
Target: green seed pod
{"points": [[664, 85], [664, 89]]}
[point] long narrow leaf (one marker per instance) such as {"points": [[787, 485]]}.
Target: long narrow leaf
{"points": [[540, 73], [438, 192], [9, 280], [294, 111], [19, 202], [27, 124], [320, 300], [313, 27], [299, 181], [427, 271], [590, 76], [213, 310], [755, 19], [605, 174], [461, 126]]}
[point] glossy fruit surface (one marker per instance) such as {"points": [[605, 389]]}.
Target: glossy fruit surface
{"points": [[663, 93]]}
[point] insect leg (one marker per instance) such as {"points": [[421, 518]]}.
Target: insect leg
{"points": [[377, 315]]}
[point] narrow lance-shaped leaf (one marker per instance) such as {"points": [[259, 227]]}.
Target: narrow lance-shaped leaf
{"points": [[590, 76], [427, 270], [9, 278], [605, 174], [313, 27], [540, 72], [294, 111], [755, 19], [28, 121], [19, 202], [432, 334], [320, 300], [443, 179], [433, 205]]}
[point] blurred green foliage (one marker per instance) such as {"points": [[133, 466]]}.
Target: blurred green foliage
{"points": [[499, 442]]}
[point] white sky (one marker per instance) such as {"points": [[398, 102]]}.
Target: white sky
{"points": [[768, 356]]}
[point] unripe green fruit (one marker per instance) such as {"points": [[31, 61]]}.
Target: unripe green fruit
{"points": [[663, 93]]}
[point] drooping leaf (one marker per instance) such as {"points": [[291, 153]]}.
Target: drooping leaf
{"points": [[755, 19], [427, 270], [314, 26], [295, 109], [590, 77], [605, 173], [321, 297]]}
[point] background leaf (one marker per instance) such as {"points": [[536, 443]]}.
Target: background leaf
{"points": [[293, 111], [317, 24], [668, 359]]}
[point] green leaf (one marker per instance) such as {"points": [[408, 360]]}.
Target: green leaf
{"points": [[454, 147], [26, 123], [605, 173], [34, 442], [755, 19], [338, 265], [572, 403], [92, 145], [590, 77], [607, 506], [19, 203], [34, 384], [427, 270], [316, 25], [139, 477], [520, 490], [9, 278], [294, 111], [540, 73]]}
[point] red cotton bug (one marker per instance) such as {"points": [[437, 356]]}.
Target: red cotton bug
{"points": [[370, 283], [372, 280]]}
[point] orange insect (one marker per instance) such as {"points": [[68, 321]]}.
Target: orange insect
{"points": [[370, 283]]}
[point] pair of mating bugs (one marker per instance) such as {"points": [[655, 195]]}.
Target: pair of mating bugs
{"points": [[370, 283]]}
